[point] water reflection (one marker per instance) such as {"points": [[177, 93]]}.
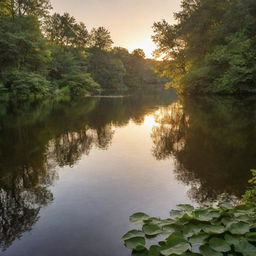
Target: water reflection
{"points": [[211, 141]]}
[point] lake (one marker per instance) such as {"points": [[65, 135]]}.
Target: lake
{"points": [[72, 172]]}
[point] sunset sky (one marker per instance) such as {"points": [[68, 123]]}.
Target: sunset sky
{"points": [[129, 21]]}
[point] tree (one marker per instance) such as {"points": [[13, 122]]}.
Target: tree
{"points": [[38, 8], [139, 53], [101, 39], [211, 47], [64, 30]]}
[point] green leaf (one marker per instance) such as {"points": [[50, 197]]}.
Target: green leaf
{"points": [[139, 217], [133, 233], [151, 229], [176, 213], [154, 250], [191, 229], [228, 221], [219, 245], [169, 229], [136, 243], [217, 229], [198, 239], [140, 253], [207, 251], [232, 240], [185, 207], [246, 248], [206, 214], [239, 228], [251, 236], [178, 248]]}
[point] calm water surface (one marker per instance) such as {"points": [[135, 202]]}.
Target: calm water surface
{"points": [[72, 173]]}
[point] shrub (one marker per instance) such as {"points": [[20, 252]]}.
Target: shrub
{"points": [[80, 84], [26, 84]]}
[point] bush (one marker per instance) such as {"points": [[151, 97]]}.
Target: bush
{"points": [[25, 85], [80, 84]]}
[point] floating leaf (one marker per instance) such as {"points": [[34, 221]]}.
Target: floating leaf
{"points": [[207, 251], [135, 243], [228, 221], [154, 250], [219, 245], [251, 236], [176, 213], [185, 207], [179, 248], [232, 240], [198, 239], [239, 228], [139, 217], [217, 229], [191, 229], [151, 229], [133, 233], [169, 229], [246, 248], [140, 253], [206, 214]]}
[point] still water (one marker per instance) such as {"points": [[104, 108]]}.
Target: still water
{"points": [[71, 173]]}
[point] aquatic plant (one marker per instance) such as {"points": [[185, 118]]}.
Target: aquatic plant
{"points": [[225, 229]]}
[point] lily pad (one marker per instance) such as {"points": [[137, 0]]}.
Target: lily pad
{"points": [[246, 248], [179, 248], [176, 213], [154, 250], [133, 233], [151, 229], [208, 251], [185, 207], [136, 243], [191, 229], [139, 217], [219, 245], [251, 236], [232, 240], [217, 229], [198, 239], [239, 228], [206, 214]]}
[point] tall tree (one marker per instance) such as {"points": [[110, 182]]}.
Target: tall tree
{"points": [[101, 39]]}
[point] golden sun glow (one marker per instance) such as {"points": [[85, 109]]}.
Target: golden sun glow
{"points": [[149, 120]]}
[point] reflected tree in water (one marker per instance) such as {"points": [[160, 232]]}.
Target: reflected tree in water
{"points": [[212, 141]]}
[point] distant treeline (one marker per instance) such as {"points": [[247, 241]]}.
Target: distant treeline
{"points": [[43, 54], [211, 48]]}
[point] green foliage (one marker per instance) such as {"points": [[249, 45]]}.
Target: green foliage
{"points": [[211, 49], [80, 84], [201, 231], [23, 85], [250, 195]]}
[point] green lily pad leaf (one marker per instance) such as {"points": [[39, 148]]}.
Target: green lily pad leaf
{"points": [[176, 213], [191, 229], [246, 248], [140, 253], [208, 251], [185, 207], [178, 248], [198, 239], [154, 250], [153, 221], [239, 228], [217, 229], [170, 229], [219, 245], [251, 236], [133, 233], [139, 217], [232, 240], [228, 221], [206, 214], [226, 205], [151, 229], [136, 243]]}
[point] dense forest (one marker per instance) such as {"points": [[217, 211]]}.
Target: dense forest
{"points": [[211, 48], [44, 53]]}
